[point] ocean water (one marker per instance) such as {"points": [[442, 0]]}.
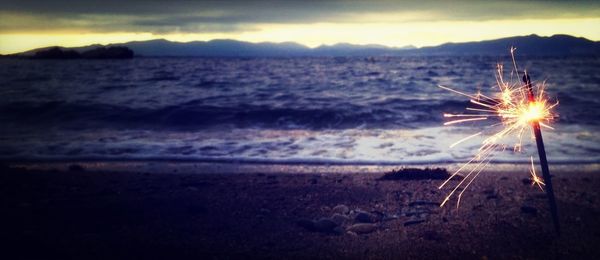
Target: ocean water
{"points": [[356, 111]]}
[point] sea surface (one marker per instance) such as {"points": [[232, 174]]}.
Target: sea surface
{"points": [[338, 111]]}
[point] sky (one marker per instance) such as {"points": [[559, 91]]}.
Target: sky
{"points": [[27, 24]]}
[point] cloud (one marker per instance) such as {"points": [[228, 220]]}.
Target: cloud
{"points": [[228, 16]]}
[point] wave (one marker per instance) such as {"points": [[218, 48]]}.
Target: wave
{"points": [[391, 113]]}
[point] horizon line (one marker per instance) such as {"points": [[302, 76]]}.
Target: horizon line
{"points": [[408, 46]]}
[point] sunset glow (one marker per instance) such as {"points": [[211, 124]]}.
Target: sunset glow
{"points": [[24, 27]]}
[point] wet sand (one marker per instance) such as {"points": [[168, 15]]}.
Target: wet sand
{"points": [[103, 214]]}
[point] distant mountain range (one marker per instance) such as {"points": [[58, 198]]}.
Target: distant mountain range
{"points": [[232, 48], [526, 45], [556, 45]]}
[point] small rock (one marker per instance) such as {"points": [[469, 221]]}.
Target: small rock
{"points": [[339, 218], [341, 209], [529, 210], [362, 228], [365, 217]]}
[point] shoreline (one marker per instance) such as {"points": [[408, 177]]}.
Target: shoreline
{"points": [[161, 166]]}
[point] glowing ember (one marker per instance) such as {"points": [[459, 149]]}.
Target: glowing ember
{"points": [[513, 108]]}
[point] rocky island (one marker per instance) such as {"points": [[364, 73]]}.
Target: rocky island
{"points": [[116, 52]]}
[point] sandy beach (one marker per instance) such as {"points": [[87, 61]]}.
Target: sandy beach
{"points": [[79, 213]]}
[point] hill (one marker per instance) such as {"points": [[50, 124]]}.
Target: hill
{"points": [[556, 45]]}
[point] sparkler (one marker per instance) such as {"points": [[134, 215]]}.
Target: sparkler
{"points": [[517, 108], [542, 153]]}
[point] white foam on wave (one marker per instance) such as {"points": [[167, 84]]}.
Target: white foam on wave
{"points": [[566, 144]]}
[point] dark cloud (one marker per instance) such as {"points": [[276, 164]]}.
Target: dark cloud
{"points": [[294, 9], [202, 16], [185, 24]]}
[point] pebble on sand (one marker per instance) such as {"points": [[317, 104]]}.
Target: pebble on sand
{"points": [[341, 209], [362, 228], [339, 218], [365, 217], [323, 225]]}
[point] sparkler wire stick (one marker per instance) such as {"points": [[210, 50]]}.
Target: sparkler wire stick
{"points": [[542, 153]]}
